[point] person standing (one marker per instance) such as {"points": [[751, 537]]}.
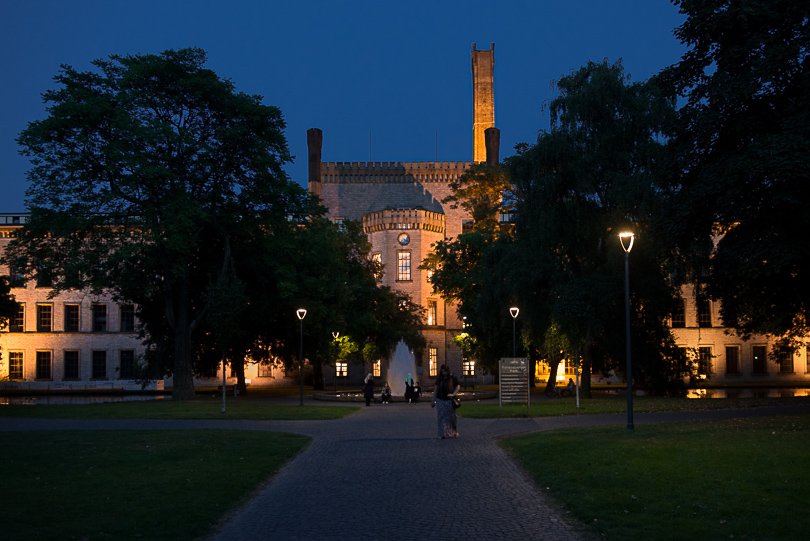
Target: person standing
{"points": [[368, 389], [444, 393], [409, 392]]}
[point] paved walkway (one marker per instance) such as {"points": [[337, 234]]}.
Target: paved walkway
{"points": [[383, 474]]}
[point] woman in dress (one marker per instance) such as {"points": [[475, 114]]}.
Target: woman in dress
{"points": [[445, 391]]}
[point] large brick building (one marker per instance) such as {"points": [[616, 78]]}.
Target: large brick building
{"points": [[77, 340], [400, 207]]}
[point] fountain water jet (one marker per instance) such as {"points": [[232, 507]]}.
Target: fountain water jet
{"points": [[400, 364]]}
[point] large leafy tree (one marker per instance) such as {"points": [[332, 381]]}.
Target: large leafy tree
{"points": [[743, 141], [474, 270], [318, 266], [146, 171], [594, 173], [328, 271]]}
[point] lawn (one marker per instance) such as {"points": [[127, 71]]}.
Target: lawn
{"points": [[736, 479], [201, 408], [132, 484], [544, 407]]}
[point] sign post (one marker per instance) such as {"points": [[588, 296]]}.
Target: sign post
{"points": [[514, 381]]}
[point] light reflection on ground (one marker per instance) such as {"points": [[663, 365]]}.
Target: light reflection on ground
{"points": [[748, 393]]}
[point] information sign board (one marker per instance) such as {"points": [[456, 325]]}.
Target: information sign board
{"points": [[514, 380]]}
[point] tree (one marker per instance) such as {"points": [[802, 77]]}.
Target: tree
{"points": [[329, 272], [594, 173], [144, 172], [474, 269], [742, 146]]}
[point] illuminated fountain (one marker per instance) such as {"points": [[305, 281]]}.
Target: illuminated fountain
{"points": [[400, 365]]}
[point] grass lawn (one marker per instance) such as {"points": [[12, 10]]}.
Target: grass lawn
{"points": [[201, 408], [735, 479], [132, 484], [543, 407]]}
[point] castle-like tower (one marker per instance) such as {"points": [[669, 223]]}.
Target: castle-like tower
{"points": [[483, 74], [400, 207]]}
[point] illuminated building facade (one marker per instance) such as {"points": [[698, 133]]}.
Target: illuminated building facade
{"points": [[400, 207]]}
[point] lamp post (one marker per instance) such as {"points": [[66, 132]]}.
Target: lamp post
{"points": [[514, 311], [222, 410], [301, 313], [335, 335], [626, 239]]}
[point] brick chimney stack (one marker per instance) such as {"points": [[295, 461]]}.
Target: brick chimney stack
{"points": [[492, 138], [314, 147]]}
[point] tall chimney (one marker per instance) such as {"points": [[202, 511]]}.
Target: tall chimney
{"points": [[314, 146], [483, 72], [492, 137]]}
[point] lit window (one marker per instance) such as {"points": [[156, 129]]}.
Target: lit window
{"points": [[99, 364], [341, 369], [71, 318], [44, 318], [265, 370], [17, 322], [468, 368], [127, 318], [15, 365], [127, 364], [375, 369], [99, 318], [71, 364], [403, 266], [432, 313], [43, 367], [433, 360], [732, 360]]}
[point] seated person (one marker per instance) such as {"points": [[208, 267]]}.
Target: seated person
{"points": [[385, 397]]}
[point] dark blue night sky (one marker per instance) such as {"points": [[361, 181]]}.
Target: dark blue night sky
{"points": [[381, 78]]}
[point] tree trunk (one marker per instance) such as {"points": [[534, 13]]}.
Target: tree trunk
{"points": [[183, 372], [239, 370], [587, 367], [551, 384]]}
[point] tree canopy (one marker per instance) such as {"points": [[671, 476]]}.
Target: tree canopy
{"points": [[741, 147], [593, 174], [145, 171]]}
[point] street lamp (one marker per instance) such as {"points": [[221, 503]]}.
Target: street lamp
{"points": [[335, 335], [301, 313], [626, 239], [514, 311]]}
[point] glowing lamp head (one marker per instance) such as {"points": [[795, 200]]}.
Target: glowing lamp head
{"points": [[301, 313], [626, 238]]}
